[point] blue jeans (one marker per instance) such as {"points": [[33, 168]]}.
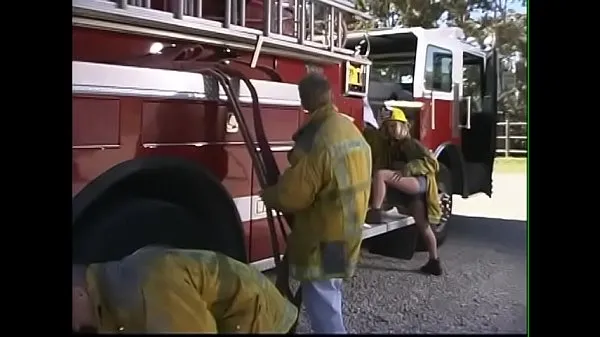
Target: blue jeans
{"points": [[323, 303]]}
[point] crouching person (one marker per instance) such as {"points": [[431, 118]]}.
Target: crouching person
{"points": [[407, 171], [162, 290]]}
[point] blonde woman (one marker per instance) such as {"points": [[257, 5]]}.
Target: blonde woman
{"points": [[406, 171]]}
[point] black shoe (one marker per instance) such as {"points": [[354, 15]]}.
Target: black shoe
{"points": [[374, 217], [432, 267]]}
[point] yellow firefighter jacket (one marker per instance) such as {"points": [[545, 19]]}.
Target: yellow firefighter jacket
{"points": [[162, 290], [419, 162], [327, 189]]}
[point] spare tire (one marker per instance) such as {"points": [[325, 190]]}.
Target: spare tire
{"points": [[127, 225]]}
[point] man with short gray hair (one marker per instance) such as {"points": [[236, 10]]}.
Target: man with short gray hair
{"points": [[327, 189]]}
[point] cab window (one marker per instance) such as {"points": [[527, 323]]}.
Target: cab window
{"points": [[400, 72], [438, 69], [473, 78], [395, 72]]}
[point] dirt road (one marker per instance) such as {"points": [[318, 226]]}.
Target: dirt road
{"points": [[509, 199]]}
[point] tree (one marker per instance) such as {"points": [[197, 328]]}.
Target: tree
{"points": [[419, 13]]}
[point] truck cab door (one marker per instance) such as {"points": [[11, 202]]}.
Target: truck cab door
{"points": [[478, 110], [490, 108]]}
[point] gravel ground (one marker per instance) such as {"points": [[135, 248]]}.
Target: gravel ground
{"points": [[483, 289]]}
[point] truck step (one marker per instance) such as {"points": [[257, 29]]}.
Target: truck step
{"points": [[393, 220], [400, 242]]}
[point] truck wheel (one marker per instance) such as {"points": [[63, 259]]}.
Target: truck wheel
{"points": [[445, 193], [126, 225]]}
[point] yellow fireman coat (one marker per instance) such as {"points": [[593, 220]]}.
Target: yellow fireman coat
{"points": [[327, 190], [162, 290], [420, 162]]}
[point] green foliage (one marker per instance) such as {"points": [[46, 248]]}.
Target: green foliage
{"points": [[478, 19]]}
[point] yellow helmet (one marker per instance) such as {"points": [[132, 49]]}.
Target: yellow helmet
{"points": [[397, 115]]}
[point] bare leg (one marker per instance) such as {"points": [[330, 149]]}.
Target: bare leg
{"points": [[408, 185], [417, 207], [381, 179], [418, 211], [379, 188]]}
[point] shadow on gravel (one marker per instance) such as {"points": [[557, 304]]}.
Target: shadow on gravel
{"points": [[499, 233]]}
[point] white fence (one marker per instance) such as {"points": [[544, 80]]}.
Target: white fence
{"points": [[513, 139]]}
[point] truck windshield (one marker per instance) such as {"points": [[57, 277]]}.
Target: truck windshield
{"points": [[395, 72]]}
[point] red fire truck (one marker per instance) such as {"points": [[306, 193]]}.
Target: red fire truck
{"points": [[165, 90], [456, 86]]}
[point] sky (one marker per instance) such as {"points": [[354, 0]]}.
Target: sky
{"points": [[514, 5], [517, 7]]}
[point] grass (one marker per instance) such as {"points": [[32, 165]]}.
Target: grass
{"points": [[510, 165]]}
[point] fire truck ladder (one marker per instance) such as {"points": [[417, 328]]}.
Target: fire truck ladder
{"points": [[184, 20], [263, 160], [311, 30]]}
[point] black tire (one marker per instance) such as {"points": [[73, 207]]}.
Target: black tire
{"points": [[445, 191], [127, 225]]}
